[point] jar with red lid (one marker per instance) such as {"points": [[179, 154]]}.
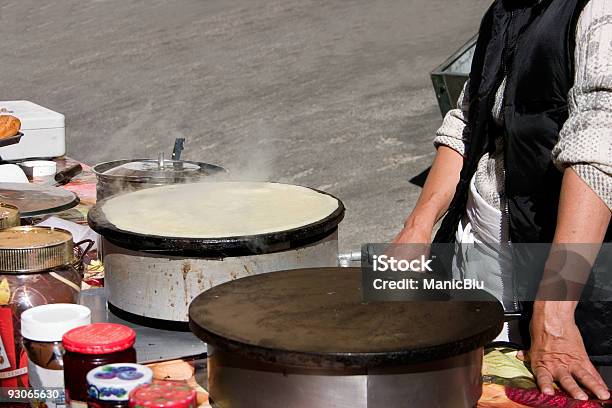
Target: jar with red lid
{"points": [[163, 394], [91, 346]]}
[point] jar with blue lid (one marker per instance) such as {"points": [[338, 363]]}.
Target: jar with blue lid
{"points": [[109, 386]]}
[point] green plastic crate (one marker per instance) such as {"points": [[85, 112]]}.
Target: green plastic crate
{"points": [[448, 78]]}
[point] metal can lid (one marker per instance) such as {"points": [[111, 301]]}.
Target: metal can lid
{"points": [[34, 249], [9, 216], [163, 394], [99, 338], [113, 382], [48, 323]]}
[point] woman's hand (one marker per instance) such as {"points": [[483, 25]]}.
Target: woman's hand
{"points": [[413, 235], [558, 354], [412, 241], [557, 350]]}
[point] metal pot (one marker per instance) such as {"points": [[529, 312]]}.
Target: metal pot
{"points": [[152, 279], [304, 338], [121, 176]]}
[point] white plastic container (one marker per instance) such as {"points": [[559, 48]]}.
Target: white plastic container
{"points": [[44, 131], [42, 328], [41, 171]]}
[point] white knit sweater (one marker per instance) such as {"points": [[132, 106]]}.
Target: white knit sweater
{"points": [[585, 141]]}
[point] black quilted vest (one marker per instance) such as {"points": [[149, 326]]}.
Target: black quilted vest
{"points": [[532, 43]]}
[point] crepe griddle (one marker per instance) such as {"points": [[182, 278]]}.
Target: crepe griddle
{"points": [[214, 247], [315, 318], [35, 199]]}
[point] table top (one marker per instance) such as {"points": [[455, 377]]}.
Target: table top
{"points": [[316, 317], [151, 344]]}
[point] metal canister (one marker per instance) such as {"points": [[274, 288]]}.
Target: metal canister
{"points": [[9, 216], [38, 266]]}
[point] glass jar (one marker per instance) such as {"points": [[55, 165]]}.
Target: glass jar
{"points": [[42, 328], [93, 346], [109, 386], [107, 404], [38, 266], [164, 394]]}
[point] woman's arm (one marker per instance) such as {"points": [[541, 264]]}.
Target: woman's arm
{"points": [[583, 150], [557, 351], [443, 177], [434, 199]]}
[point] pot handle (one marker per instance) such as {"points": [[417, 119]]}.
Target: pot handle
{"points": [[82, 252]]}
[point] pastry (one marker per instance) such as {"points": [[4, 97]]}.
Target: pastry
{"points": [[9, 126]]}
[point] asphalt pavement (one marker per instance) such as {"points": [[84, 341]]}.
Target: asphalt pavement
{"points": [[332, 94]]}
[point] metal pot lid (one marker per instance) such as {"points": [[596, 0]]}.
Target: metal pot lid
{"points": [[222, 246], [315, 318], [154, 169], [9, 216], [35, 199], [34, 249]]}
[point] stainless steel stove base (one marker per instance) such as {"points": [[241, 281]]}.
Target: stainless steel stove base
{"points": [[236, 382], [161, 287]]}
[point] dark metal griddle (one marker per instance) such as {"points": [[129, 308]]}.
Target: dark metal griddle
{"points": [[34, 199], [215, 247], [315, 318]]}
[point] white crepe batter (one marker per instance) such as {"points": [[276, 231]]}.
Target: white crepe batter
{"points": [[218, 209]]}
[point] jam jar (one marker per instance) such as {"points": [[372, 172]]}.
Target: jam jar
{"points": [[38, 266], [109, 386], [92, 346], [164, 394]]}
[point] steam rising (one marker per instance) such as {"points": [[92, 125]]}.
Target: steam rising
{"points": [[253, 159]]}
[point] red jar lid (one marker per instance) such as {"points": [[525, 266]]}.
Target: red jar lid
{"points": [[163, 394], [99, 338]]}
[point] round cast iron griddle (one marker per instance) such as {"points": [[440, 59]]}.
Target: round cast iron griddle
{"points": [[215, 247], [315, 318], [35, 199]]}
